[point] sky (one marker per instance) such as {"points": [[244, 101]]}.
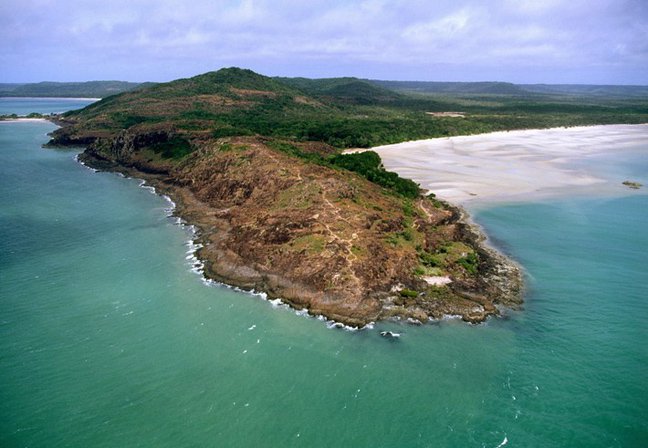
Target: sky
{"points": [[520, 41]]}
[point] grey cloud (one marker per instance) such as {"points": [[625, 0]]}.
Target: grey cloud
{"points": [[415, 39]]}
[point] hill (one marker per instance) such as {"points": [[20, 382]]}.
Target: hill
{"points": [[90, 89], [344, 90], [499, 88], [588, 90], [255, 162], [282, 212], [341, 112]]}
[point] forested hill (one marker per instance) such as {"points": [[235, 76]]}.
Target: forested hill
{"points": [[89, 89], [255, 162], [342, 112], [346, 89], [279, 210], [500, 88], [507, 88]]}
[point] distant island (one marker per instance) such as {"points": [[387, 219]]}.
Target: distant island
{"points": [[256, 164]]}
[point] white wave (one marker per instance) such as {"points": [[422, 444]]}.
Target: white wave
{"points": [[172, 205], [76, 159], [147, 187], [504, 442], [276, 303], [197, 266], [330, 324]]}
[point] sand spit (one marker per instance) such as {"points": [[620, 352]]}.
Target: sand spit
{"points": [[13, 120], [513, 165]]}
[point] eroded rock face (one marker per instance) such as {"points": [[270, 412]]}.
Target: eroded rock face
{"points": [[322, 239]]}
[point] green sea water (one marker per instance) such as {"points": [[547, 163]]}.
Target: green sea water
{"points": [[108, 339], [25, 106]]}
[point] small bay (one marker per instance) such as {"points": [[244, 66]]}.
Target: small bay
{"points": [[107, 338]]}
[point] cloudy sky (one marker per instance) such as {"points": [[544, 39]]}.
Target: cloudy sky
{"points": [[523, 41]]}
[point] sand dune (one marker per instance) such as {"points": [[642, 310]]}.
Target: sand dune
{"points": [[515, 165]]}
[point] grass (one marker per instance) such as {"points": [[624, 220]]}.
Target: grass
{"points": [[300, 196], [313, 244]]}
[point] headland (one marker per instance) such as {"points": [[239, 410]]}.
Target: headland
{"points": [[256, 164]]}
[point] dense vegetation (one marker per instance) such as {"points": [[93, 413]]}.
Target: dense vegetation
{"points": [[347, 112], [369, 165], [90, 89], [342, 113], [506, 88], [366, 164]]}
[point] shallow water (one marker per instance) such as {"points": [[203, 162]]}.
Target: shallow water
{"points": [[25, 106], [108, 339]]}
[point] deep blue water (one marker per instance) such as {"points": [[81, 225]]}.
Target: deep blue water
{"points": [[108, 339]]}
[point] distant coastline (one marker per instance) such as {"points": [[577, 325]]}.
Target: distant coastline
{"points": [[53, 98]]}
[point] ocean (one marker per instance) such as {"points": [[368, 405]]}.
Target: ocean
{"points": [[108, 338]]}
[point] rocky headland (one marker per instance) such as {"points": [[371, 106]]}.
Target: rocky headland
{"points": [[294, 218]]}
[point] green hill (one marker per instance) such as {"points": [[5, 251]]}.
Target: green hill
{"points": [[489, 88], [345, 90], [255, 162], [341, 112], [90, 89], [588, 90], [238, 102], [250, 161]]}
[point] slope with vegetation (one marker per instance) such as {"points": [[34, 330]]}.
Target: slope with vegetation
{"points": [[89, 89], [255, 163]]}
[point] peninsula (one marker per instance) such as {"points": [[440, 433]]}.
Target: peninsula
{"points": [[256, 164]]}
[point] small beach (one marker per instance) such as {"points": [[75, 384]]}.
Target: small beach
{"points": [[9, 120], [515, 165]]}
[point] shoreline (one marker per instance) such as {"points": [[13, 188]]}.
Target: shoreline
{"points": [[474, 298], [197, 265], [513, 166], [498, 271], [24, 119], [58, 98], [501, 271], [509, 132]]}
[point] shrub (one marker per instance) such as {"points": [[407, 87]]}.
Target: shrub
{"points": [[469, 263], [369, 165], [408, 293], [174, 148]]}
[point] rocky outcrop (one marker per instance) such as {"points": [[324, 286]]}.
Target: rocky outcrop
{"points": [[318, 238]]}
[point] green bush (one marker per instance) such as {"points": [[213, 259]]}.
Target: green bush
{"points": [[469, 263], [369, 165], [408, 293], [175, 148], [429, 260]]}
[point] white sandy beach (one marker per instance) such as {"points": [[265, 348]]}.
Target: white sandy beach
{"points": [[13, 120], [508, 166]]}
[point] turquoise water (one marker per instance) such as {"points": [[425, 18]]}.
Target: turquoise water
{"points": [[25, 106], [108, 339]]}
